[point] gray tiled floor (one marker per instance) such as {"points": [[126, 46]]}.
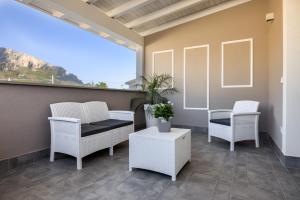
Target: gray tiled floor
{"points": [[213, 174]]}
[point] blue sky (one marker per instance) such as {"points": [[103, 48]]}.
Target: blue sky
{"points": [[85, 54]]}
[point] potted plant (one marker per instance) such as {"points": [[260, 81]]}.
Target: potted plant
{"points": [[157, 87], [163, 113]]}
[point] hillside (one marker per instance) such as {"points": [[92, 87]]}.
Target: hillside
{"points": [[18, 66]]}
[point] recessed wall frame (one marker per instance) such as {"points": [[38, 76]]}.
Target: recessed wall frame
{"points": [[155, 53], [185, 107], [223, 85]]}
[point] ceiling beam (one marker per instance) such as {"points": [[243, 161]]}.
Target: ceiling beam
{"points": [[125, 7], [198, 15], [25, 1], [88, 17], [162, 12], [90, 1]]}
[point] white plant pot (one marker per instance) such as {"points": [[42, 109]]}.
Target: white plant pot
{"points": [[150, 120]]}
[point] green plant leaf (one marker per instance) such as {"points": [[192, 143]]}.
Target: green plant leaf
{"points": [[157, 88]]}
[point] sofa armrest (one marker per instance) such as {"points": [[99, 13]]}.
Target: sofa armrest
{"points": [[245, 114], [122, 115], [220, 110], [65, 119], [245, 121], [217, 114], [64, 128]]}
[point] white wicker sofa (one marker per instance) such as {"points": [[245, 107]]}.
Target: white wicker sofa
{"points": [[79, 129]]}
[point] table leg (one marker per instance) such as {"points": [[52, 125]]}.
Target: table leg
{"points": [[174, 178]]}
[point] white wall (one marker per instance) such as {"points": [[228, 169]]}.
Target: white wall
{"points": [[291, 93]]}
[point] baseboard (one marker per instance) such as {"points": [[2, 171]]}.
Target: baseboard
{"points": [[287, 161], [292, 162], [30, 158], [194, 129]]}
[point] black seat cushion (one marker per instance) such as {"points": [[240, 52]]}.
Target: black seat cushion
{"points": [[113, 123], [224, 121], [102, 126], [88, 129]]}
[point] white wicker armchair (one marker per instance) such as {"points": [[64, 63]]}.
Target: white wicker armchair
{"points": [[79, 129], [238, 124]]}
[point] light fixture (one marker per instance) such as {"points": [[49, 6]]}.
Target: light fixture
{"points": [[120, 42], [58, 14], [270, 17], [103, 34], [84, 26]]}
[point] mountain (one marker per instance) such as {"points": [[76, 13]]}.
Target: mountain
{"points": [[20, 66]]}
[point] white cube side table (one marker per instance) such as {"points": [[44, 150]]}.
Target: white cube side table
{"points": [[166, 153]]}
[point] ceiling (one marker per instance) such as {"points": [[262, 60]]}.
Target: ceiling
{"points": [[150, 16], [127, 22]]}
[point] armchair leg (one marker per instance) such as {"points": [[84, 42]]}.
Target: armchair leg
{"points": [[257, 143], [52, 156], [209, 138], [79, 163], [111, 151], [231, 146]]}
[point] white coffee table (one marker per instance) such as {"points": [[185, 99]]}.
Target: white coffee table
{"points": [[166, 153]]}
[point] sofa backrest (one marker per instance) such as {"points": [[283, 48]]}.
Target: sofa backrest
{"points": [[68, 109], [245, 106], [87, 112], [95, 111]]}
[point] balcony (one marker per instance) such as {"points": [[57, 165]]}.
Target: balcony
{"points": [[216, 53]]}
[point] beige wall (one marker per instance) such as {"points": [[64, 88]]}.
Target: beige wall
{"points": [[241, 22], [237, 63], [275, 44], [25, 109], [196, 68]]}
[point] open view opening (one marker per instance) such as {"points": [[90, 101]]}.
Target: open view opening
{"points": [[43, 49]]}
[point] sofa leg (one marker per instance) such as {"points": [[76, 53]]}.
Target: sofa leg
{"points": [[231, 146], [256, 139], [209, 138], [111, 151], [52, 155], [79, 163]]}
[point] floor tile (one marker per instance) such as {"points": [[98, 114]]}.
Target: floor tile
{"points": [[214, 173]]}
